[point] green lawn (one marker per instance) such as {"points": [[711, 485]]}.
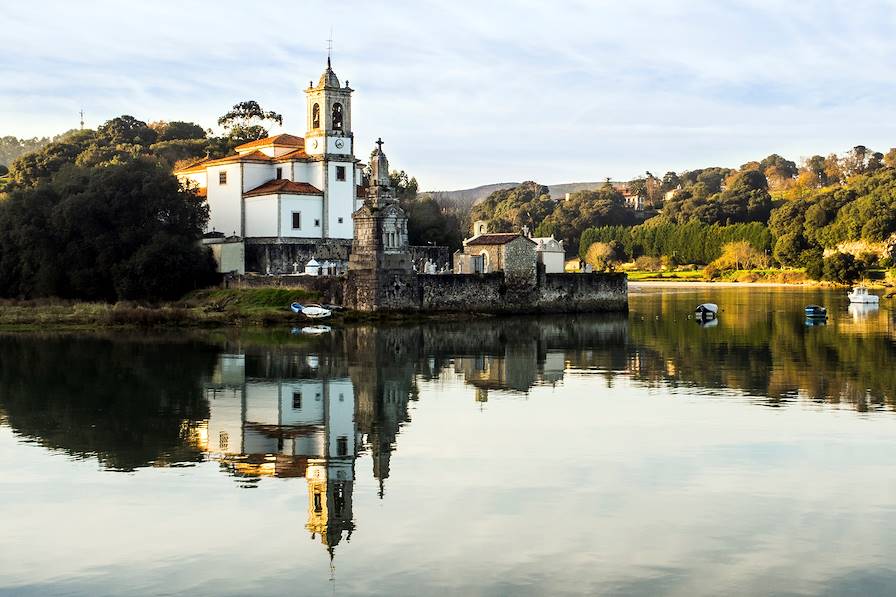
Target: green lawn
{"points": [[635, 275]]}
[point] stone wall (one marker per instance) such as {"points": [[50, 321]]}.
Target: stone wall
{"points": [[279, 255], [276, 256], [463, 293], [553, 293], [329, 288]]}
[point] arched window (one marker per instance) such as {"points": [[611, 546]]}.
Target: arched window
{"points": [[484, 255], [337, 117], [315, 116]]}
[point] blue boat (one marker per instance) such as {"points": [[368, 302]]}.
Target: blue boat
{"points": [[816, 312]]}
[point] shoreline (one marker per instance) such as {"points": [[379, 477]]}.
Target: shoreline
{"points": [[706, 284]]}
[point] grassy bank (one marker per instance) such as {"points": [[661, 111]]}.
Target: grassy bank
{"points": [[204, 308], [759, 276]]}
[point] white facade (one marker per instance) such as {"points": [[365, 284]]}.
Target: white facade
{"points": [[550, 253], [256, 192]]}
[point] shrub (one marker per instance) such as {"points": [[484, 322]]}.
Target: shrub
{"points": [[711, 272], [648, 264]]}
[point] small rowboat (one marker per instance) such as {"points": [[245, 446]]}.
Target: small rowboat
{"points": [[311, 311], [706, 311], [816, 312]]}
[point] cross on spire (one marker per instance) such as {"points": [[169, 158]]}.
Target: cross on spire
{"points": [[329, 47], [379, 144]]}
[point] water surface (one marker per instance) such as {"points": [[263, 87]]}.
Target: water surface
{"points": [[617, 455]]}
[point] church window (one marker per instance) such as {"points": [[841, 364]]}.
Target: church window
{"points": [[222, 177], [296, 220], [342, 446], [223, 439], [316, 223], [315, 116], [297, 401], [279, 173], [340, 172], [337, 117], [318, 503]]}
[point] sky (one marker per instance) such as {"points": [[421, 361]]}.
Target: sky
{"points": [[467, 93]]}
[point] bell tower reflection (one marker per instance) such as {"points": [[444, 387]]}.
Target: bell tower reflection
{"points": [[282, 415], [331, 477]]}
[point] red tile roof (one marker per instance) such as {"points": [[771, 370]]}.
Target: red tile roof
{"points": [[497, 238], [283, 140], [279, 186], [200, 166], [295, 154]]}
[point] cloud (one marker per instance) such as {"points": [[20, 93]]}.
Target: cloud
{"points": [[472, 92]]}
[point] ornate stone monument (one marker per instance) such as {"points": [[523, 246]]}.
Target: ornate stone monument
{"points": [[380, 270]]}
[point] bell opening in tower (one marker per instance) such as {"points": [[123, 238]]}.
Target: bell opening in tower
{"points": [[337, 117]]}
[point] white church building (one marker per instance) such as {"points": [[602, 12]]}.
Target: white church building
{"points": [[287, 187]]}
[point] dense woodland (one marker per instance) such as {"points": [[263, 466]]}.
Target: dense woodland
{"points": [[834, 216]]}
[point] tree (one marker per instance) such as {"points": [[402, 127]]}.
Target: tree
{"points": [[32, 168], [813, 259], [428, 223], [12, 148], [890, 158], [739, 255], [120, 231], [670, 181], [170, 131], [125, 130], [841, 268], [789, 248], [585, 209], [508, 210], [246, 122], [600, 256]]}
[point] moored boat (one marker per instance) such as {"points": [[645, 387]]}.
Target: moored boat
{"points": [[860, 294], [311, 311], [706, 311], [816, 312]]}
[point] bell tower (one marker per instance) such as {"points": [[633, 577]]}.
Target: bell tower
{"points": [[329, 116]]}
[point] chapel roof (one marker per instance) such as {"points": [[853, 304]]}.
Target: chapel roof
{"points": [[496, 238], [201, 165], [284, 140], [295, 154], [279, 186]]}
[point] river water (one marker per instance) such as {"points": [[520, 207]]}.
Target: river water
{"points": [[641, 454]]}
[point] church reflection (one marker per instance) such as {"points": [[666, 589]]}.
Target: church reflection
{"points": [[310, 411], [319, 408]]}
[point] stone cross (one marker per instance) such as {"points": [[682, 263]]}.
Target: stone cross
{"points": [[379, 144]]}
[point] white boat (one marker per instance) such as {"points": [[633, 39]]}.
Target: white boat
{"points": [[706, 311], [315, 330], [311, 311], [860, 294]]}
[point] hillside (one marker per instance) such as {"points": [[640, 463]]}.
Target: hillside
{"points": [[467, 198]]}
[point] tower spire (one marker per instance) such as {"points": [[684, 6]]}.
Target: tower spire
{"points": [[329, 47]]}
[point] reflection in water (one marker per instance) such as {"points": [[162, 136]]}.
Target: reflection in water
{"points": [[331, 409]]}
